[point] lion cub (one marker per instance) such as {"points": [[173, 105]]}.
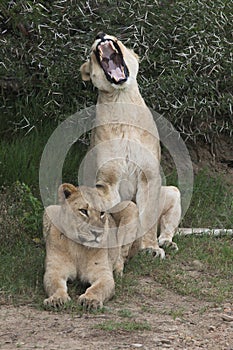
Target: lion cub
{"points": [[82, 241], [85, 242]]}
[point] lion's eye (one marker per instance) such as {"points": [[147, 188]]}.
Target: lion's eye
{"points": [[102, 213], [84, 212]]}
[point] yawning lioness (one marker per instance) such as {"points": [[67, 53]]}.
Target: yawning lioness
{"points": [[125, 136]]}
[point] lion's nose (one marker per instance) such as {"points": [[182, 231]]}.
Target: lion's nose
{"points": [[100, 35], [96, 233]]}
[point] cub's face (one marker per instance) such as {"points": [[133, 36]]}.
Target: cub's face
{"points": [[111, 64], [82, 216]]}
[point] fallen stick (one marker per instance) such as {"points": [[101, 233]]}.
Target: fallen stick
{"points": [[208, 231]]}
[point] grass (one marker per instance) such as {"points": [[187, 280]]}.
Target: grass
{"points": [[23, 154], [212, 201], [211, 204], [202, 268], [21, 273], [176, 313], [125, 313], [22, 157]]}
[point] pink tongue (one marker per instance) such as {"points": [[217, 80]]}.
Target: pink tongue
{"points": [[115, 71]]}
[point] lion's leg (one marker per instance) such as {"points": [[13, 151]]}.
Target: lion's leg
{"points": [[125, 215], [147, 199], [171, 214], [55, 281], [107, 182], [102, 289]]}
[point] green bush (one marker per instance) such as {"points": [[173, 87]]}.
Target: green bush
{"points": [[186, 60], [31, 211], [21, 215]]}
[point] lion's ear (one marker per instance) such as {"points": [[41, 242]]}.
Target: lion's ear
{"points": [[135, 55], [65, 191], [85, 71]]}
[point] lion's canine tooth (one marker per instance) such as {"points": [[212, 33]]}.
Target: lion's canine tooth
{"points": [[113, 47]]}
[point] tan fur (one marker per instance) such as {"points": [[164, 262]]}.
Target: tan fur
{"points": [[169, 219], [65, 228], [79, 256], [128, 161], [170, 215]]}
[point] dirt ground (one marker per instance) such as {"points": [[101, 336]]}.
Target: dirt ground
{"points": [[175, 322]]}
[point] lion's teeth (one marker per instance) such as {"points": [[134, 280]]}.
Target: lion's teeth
{"points": [[113, 47], [117, 74]]}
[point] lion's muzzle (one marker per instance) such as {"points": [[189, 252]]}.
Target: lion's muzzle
{"points": [[110, 58]]}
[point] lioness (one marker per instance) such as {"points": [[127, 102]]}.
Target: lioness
{"points": [[125, 135], [83, 241]]}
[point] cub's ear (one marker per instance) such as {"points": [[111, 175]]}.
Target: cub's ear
{"points": [[85, 71], [65, 191]]}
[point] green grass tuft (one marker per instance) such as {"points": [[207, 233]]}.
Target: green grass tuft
{"points": [[20, 159], [211, 205], [201, 268]]}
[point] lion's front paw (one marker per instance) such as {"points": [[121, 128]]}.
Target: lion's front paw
{"points": [[119, 268], [90, 301], [155, 251], [168, 243], [57, 299], [158, 253]]}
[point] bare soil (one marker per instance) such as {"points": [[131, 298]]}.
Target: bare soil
{"points": [[175, 322]]}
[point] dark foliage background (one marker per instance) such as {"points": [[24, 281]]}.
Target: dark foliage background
{"points": [[185, 50]]}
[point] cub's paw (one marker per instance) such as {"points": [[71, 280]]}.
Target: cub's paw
{"points": [[90, 301], [57, 300], [167, 243]]}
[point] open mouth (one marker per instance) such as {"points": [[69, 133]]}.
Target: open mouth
{"points": [[111, 60]]}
